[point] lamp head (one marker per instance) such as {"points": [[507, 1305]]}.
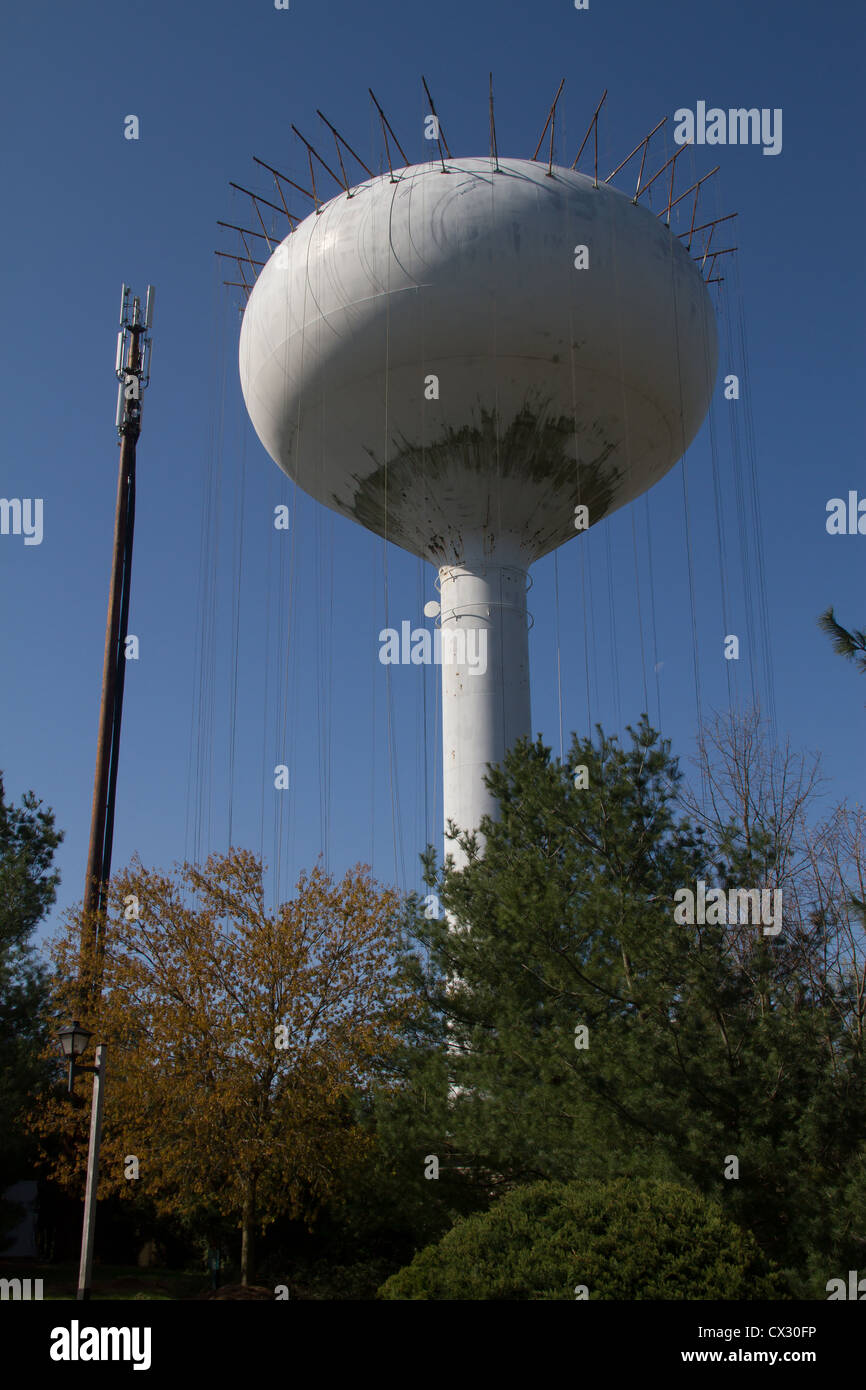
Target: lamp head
{"points": [[74, 1039]]}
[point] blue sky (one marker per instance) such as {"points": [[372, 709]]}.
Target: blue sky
{"points": [[86, 210]]}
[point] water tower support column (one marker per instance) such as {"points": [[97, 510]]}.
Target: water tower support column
{"points": [[485, 683]]}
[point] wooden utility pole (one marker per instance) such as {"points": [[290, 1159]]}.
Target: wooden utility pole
{"points": [[133, 372]]}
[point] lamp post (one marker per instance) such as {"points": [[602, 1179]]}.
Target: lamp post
{"points": [[73, 1041]]}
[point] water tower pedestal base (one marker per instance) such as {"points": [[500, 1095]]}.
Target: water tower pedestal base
{"points": [[485, 683]]}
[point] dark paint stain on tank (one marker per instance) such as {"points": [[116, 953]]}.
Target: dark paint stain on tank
{"points": [[535, 449]]}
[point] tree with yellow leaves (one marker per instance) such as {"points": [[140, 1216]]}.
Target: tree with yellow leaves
{"points": [[235, 1038]]}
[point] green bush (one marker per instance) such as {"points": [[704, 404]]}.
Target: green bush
{"points": [[625, 1239]]}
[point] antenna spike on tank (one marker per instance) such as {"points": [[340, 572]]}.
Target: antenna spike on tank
{"points": [[644, 142], [440, 133], [247, 231], [674, 157], [593, 126], [343, 139], [494, 152], [311, 149], [550, 117], [387, 124], [285, 179]]}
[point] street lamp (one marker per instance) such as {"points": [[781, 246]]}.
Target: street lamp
{"points": [[73, 1041]]}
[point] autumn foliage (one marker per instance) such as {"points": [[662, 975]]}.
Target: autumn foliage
{"points": [[235, 1037]]}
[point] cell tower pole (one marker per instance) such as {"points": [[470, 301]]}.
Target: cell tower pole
{"points": [[485, 682], [132, 368]]}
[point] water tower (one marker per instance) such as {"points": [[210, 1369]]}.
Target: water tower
{"points": [[458, 355]]}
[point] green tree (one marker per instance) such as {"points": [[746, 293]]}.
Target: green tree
{"points": [[562, 924], [237, 1038], [590, 1035], [28, 886]]}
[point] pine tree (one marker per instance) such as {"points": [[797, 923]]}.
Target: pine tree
{"points": [[28, 886], [591, 1035], [849, 644]]}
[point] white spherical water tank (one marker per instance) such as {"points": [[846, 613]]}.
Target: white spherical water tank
{"points": [[457, 361]]}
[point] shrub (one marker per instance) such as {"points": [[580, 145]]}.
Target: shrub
{"points": [[624, 1239]]}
